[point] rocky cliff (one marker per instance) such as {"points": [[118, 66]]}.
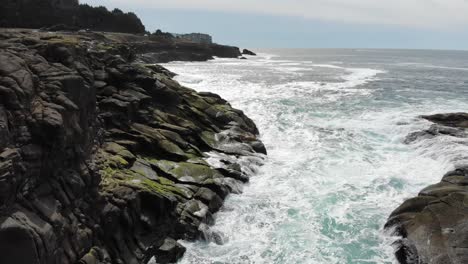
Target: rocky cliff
{"points": [[103, 159], [434, 225], [166, 51]]}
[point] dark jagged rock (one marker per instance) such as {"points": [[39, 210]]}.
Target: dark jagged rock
{"points": [[174, 50], [102, 160], [224, 51], [434, 225], [248, 52], [458, 120], [451, 124], [436, 130], [170, 251]]}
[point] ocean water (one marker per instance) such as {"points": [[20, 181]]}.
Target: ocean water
{"points": [[334, 122]]}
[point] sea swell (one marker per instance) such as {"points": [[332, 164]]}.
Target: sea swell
{"points": [[337, 163]]}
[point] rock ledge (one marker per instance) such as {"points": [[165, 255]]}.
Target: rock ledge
{"points": [[102, 159], [434, 225]]}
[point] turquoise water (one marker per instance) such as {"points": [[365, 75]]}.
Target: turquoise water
{"points": [[333, 122]]}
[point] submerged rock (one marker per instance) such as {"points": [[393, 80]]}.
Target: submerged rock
{"points": [[104, 160], [436, 130], [450, 124]]}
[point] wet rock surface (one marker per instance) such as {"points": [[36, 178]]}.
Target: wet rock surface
{"points": [[434, 225], [458, 120], [451, 124], [103, 160], [248, 52]]}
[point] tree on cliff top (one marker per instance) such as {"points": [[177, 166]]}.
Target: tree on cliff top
{"points": [[99, 18], [46, 13]]}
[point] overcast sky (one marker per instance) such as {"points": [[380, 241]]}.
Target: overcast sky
{"points": [[438, 24]]}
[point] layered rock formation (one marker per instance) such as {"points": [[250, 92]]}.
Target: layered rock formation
{"points": [[103, 160], [434, 225]]}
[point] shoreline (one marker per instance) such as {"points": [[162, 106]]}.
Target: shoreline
{"points": [[447, 126], [432, 225], [103, 159]]}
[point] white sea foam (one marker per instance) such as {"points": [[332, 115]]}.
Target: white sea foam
{"points": [[336, 166], [425, 65], [327, 66], [329, 91], [444, 67]]}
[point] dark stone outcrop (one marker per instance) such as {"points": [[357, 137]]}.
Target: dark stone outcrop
{"points": [[102, 160], [457, 120], [224, 51], [146, 49], [175, 50], [436, 130], [434, 225], [452, 124], [248, 52]]}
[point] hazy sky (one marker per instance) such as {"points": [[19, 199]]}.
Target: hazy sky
{"points": [[439, 24]]}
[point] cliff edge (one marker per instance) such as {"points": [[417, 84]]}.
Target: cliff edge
{"points": [[103, 159]]}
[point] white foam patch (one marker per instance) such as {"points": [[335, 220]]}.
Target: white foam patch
{"points": [[328, 91], [425, 65], [327, 66], [445, 67], [336, 167]]}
